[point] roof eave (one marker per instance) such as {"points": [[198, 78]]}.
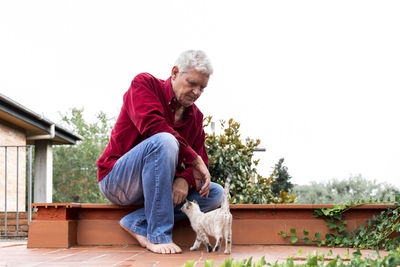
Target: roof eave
{"points": [[22, 113]]}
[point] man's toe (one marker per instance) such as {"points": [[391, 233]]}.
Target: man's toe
{"points": [[178, 249], [166, 250]]}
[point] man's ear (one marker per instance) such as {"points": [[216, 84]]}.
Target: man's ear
{"points": [[174, 72]]}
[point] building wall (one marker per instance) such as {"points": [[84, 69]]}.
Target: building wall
{"points": [[12, 136]]}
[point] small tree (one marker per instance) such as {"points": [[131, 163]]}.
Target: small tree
{"points": [[282, 181], [227, 153], [75, 172]]}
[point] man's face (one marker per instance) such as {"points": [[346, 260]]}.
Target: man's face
{"points": [[188, 86]]}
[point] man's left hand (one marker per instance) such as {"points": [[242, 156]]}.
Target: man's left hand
{"points": [[180, 189]]}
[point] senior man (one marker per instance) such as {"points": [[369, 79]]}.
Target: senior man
{"points": [[156, 155]]}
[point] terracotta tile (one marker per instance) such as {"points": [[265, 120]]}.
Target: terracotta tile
{"points": [[15, 253]]}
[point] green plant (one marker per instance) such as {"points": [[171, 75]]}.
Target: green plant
{"points": [[227, 153], [379, 232], [315, 259]]}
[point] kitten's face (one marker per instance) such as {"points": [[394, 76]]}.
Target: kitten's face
{"points": [[189, 206]]}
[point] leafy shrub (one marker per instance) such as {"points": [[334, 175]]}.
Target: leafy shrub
{"points": [[342, 191], [227, 153]]}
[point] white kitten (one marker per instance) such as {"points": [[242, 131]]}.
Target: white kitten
{"points": [[216, 223]]}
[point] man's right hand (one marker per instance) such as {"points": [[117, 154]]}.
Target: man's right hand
{"points": [[180, 189], [201, 174]]}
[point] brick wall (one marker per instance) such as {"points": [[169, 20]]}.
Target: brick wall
{"points": [[12, 136]]}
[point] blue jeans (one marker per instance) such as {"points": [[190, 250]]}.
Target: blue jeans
{"points": [[145, 175]]}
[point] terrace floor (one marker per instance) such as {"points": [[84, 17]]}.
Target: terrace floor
{"points": [[16, 253]]}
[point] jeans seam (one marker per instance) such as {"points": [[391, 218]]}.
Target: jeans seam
{"points": [[157, 188]]}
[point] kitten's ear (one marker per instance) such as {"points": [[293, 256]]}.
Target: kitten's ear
{"points": [[195, 201], [187, 202]]}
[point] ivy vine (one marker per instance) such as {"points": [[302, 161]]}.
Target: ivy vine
{"points": [[379, 232]]}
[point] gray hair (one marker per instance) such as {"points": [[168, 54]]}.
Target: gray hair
{"points": [[196, 59]]}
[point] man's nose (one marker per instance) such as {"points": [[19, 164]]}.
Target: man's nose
{"points": [[197, 90]]}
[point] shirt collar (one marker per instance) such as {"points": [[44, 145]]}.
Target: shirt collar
{"points": [[169, 93]]}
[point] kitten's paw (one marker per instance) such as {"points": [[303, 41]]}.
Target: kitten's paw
{"points": [[227, 251], [193, 248], [216, 249], [209, 248]]}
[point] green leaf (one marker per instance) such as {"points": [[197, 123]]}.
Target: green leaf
{"points": [[347, 254], [189, 263], [294, 239], [305, 233], [313, 261], [375, 254], [332, 225], [240, 263], [262, 261], [227, 263], [249, 261], [357, 253], [326, 212], [282, 233], [318, 235], [293, 231]]}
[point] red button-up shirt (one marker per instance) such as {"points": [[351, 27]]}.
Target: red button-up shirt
{"points": [[148, 108]]}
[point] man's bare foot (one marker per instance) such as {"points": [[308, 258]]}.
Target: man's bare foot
{"points": [[168, 248], [141, 239]]}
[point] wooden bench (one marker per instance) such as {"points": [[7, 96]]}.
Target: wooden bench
{"points": [[67, 224]]}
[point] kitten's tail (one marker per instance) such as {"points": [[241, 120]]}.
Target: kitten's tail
{"points": [[226, 197]]}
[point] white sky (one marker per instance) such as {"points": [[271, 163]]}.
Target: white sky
{"points": [[316, 81]]}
